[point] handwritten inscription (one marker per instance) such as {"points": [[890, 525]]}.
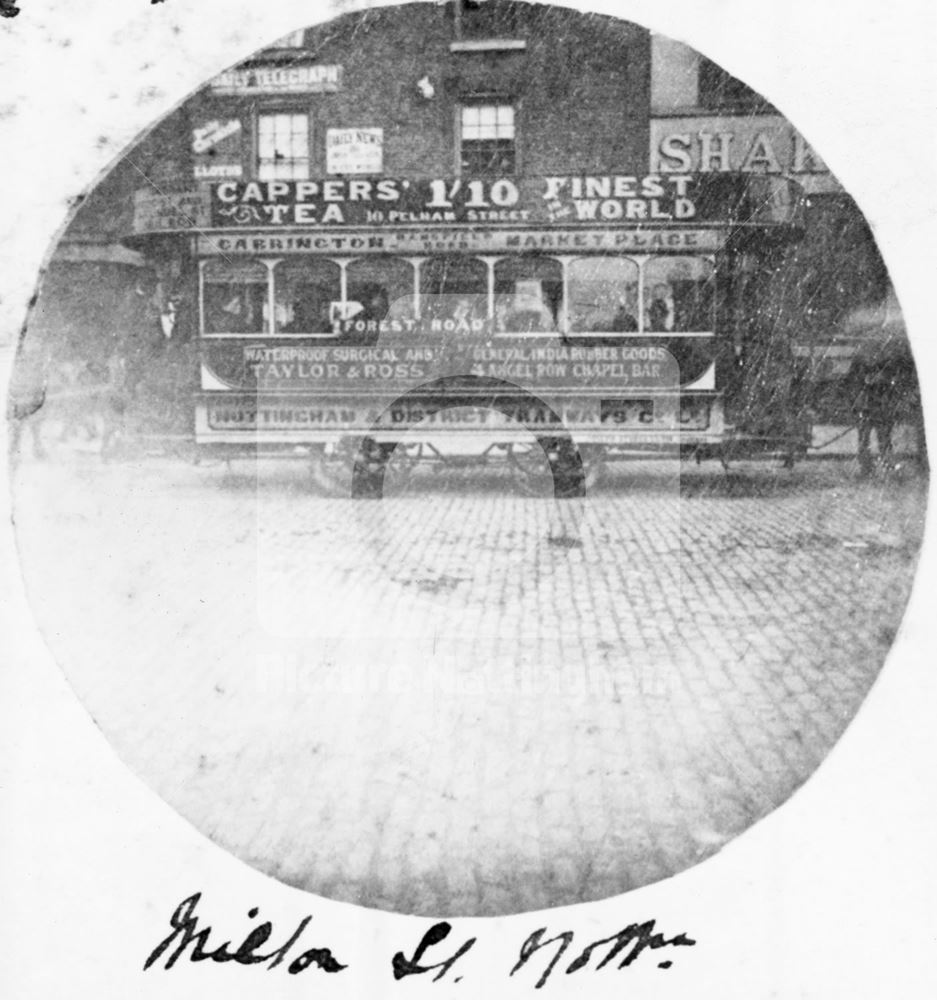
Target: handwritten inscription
{"points": [[189, 938], [187, 934], [636, 936]]}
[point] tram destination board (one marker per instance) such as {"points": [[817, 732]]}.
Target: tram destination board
{"points": [[451, 239]]}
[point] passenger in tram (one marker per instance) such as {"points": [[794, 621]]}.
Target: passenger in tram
{"points": [[529, 316], [231, 315], [660, 312], [310, 315], [623, 321], [462, 313], [529, 321], [457, 313], [529, 313], [502, 313], [363, 327], [376, 305]]}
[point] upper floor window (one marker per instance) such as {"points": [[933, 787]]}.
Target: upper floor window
{"points": [[720, 91], [283, 147], [485, 19], [487, 139], [294, 40]]}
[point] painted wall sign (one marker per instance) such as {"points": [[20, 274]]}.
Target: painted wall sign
{"points": [[743, 144], [354, 150], [216, 149], [309, 79], [179, 211]]}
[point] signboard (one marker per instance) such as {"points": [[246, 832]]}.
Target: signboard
{"points": [[303, 79], [216, 149], [634, 203], [760, 144], [184, 210], [486, 240], [354, 150], [250, 415], [396, 201], [642, 415], [277, 366]]}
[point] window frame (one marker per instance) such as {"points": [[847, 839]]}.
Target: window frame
{"points": [[721, 92], [266, 323], [278, 334], [647, 281], [563, 325], [487, 100], [270, 111]]}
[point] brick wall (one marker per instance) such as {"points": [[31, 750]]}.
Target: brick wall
{"points": [[581, 89]]}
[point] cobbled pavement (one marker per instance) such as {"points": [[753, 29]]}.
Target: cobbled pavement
{"points": [[460, 700]]}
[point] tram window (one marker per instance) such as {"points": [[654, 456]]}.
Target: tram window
{"points": [[678, 295], [454, 288], [380, 288], [528, 295], [234, 297], [307, 295], [603, 295]]}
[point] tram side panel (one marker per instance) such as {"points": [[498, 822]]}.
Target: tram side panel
{"points": [[615, 388]]}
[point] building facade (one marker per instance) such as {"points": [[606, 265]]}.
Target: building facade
{"points": [[502, 89], [494, 95], [703, 119]]}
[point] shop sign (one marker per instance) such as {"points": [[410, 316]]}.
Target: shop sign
{"points": [[183, 210], [761, 144], [424, 241], [216, 149], [308, 79], [354, 150], [213, 171]]}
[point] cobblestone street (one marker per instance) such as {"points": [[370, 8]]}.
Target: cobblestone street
{"points": [[459, 700]]}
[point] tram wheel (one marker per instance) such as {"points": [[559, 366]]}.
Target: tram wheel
{"points": [[594, 466], [563, 462], [531, 466], [569, 481], [367, 479], [401, 462], [332, 467]]}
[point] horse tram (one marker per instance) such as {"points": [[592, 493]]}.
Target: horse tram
{"points": [[371, 324]]}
